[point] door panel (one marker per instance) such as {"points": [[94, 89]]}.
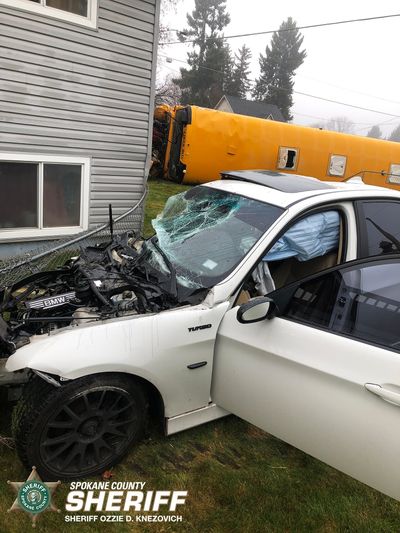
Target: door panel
{"points": [[306, 387], [332, 396]]}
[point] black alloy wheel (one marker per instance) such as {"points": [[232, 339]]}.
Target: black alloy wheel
{"points": [[81, 428]]}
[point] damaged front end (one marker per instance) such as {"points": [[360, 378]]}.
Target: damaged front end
{"points": [[200, 237], [106, 281]]}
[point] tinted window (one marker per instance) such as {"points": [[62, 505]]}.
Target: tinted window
{"points": [[19, 191], [37, 195], [379, 228], [79, 7], [361, 301], [61, 195]]}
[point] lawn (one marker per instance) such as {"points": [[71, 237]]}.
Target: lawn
{"points": [[239, 478], [159, 191]]}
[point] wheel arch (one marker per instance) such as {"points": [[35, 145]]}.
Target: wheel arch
{"points": [[42, 398], [155, 398]]}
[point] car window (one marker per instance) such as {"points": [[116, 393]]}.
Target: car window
{"points": [[379, 227], [361, 301], [309, 245]]}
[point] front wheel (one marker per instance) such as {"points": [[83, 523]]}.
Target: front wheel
{"points": [[79, 429]]}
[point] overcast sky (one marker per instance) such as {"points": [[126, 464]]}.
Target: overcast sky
{"points": [[355, 63]]}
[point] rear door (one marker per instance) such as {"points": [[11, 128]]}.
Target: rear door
{"points": [[324, 375]]}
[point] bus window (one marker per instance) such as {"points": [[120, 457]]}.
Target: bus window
{"points": [[394, 174], [337, 165], [287, 158]]}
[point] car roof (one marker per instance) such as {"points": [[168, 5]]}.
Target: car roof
{"points": [[283, 189]]}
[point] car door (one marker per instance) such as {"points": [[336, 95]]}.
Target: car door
{"points": [[323, 374]]}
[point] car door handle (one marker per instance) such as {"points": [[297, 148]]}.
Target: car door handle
{"points": [[385, 394]]}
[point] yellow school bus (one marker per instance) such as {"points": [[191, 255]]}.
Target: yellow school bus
{"points": [[193, 145]]}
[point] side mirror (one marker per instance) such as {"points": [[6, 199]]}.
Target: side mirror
{"points": [[255, 310]]}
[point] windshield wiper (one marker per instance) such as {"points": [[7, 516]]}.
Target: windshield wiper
{"points": [[173, 286], [389, 236]]}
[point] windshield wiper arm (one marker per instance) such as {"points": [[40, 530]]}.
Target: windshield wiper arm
{"points": [[170, 266], [389, 236]]}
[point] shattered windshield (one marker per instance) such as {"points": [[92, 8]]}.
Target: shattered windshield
{"points": [[202, 234]]}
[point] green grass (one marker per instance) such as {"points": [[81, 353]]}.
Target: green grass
{"points": [[239, 478], [159, 191]]}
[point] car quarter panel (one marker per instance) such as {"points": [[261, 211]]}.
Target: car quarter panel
{"points": [[158, 348]]}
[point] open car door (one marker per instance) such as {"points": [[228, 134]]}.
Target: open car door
{"points": [[318, 366]]}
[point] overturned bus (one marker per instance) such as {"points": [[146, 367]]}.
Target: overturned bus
{"points": [[194, 145]]}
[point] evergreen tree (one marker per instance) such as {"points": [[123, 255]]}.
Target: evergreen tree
{"points": [[239, 82], [210, 61], [278, 66], [375, 132], [395, 135]]}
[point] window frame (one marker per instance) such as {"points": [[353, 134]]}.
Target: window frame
{"points": [[40, 232], [362, 233], [393, 176], [26, 5], [295, 149], [329, 173]]}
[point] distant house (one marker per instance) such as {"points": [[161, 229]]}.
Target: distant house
{"points": [[76, 108], [234, 104]]}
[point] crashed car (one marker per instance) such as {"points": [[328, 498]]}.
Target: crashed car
{"points": [[274, 297]]}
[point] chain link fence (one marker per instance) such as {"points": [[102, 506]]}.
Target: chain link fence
{"points": [[54, 254]]}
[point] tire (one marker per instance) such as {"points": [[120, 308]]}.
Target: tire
{"points": [[79, 429]]}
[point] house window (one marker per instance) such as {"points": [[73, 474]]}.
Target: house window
{"points": [[82, 12], [79, 7], [42, 196]]}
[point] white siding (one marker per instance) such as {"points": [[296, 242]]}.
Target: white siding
{"points": [[72, 90]]}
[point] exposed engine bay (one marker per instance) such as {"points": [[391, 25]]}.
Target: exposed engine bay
{"points": [[105, 281], [201, 235]]}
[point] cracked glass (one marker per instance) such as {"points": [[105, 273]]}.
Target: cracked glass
{"points": [[206, 232]]}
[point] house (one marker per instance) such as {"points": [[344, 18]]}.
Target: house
{"points": [[234, 104], [76, 107]]}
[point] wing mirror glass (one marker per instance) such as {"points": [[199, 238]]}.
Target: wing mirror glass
{"points": [[255, 310]]}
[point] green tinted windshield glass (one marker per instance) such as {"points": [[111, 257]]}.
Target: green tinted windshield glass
{"points": [[206, 232]]}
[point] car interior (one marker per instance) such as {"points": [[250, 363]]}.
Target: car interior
{"points": [[362, 303], [313, 244]]}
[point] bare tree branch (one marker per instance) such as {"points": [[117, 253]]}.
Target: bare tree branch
{"points": [[167, 92], [340, 124]]}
